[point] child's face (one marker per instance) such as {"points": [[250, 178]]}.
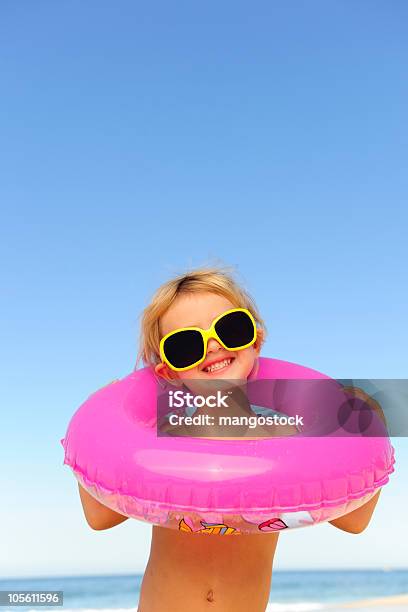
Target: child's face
{"points": [[199, 310]]}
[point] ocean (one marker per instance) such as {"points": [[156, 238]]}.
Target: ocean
{"points": [[293, 591]]}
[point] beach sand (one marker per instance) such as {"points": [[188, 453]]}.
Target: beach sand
{"points": [[395, 603]]}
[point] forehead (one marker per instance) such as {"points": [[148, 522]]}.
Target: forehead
{"points": [[194, 310]]}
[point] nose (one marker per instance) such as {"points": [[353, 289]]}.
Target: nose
{"points": [[213, 345]]}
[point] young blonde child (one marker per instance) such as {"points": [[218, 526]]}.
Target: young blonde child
{"points": [[193, 573]]}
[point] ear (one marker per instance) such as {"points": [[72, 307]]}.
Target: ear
{"points": [[163, 370], [260, 338]]}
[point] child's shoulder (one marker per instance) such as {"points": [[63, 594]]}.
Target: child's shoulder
{"points": [[261, 410]]}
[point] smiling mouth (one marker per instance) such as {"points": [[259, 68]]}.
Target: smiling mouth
{"points": [[219, 365]]}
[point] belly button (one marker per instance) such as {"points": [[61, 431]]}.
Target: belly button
{"points": [[210, 595]]}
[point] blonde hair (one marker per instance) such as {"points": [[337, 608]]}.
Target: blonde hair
{"points": [[217, 280]]}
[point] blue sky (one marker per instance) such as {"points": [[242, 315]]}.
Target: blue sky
{"points": [[139, 140]]}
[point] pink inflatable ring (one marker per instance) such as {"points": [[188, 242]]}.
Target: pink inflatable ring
{"points": [[214, 486]]}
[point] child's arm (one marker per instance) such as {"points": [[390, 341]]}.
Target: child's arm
{"points": [[97, 515], [357, 520]]}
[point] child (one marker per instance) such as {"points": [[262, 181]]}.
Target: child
{"points": [[196, 573]]}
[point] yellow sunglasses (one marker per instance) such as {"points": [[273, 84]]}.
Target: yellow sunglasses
{"points": [[185, 348]]}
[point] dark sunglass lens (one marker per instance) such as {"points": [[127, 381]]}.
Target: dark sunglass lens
{"points": [[184, 348], [235, 329]]}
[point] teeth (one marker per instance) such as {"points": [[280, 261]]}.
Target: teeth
{"points": [[218, 366]]}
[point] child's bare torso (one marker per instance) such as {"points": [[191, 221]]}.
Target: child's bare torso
{"points": [[200, 573]]}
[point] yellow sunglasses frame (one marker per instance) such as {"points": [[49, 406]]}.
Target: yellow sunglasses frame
{"points": [[207, 334]]}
